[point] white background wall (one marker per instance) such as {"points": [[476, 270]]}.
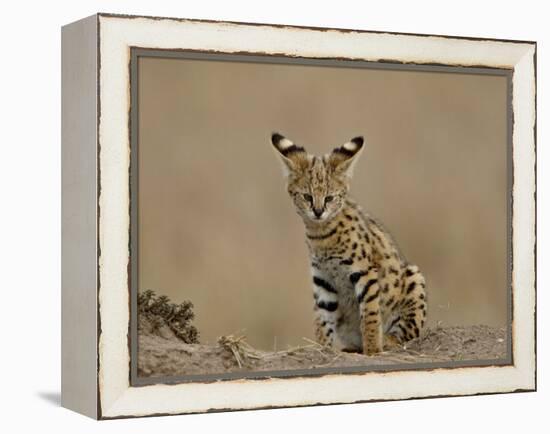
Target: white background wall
{"points": [[30, 215]]}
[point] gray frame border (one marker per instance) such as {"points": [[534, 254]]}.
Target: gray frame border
{"points": [[137, 52]]}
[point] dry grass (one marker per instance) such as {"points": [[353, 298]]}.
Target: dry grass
{"points": [[162, 353]]}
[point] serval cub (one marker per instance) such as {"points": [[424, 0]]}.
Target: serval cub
{"points": [[367, 297]]}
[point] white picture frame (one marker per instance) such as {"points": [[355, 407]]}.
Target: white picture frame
{"points": [[96, 371]]}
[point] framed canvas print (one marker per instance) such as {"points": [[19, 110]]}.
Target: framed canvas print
{"points": [[260, 216]]}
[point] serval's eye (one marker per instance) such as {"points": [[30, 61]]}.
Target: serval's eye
{"points": [[308, 197], [329, 199]]}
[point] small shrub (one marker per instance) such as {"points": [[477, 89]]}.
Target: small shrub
{"points": [[159, 310]]}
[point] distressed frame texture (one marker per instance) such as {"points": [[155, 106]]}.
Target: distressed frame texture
{"points": [[98, 240]]}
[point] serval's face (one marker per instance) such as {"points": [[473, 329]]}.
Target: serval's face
{"points": [[317, 185]]}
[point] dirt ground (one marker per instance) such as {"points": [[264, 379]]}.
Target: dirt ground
{"points": [[161, 353]]}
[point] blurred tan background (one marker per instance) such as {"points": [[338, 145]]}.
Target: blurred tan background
{"points": [[216, 225]]}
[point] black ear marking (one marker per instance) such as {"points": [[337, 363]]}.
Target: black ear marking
{"points": [[285, 146], [343, 151], [276, 138], [343, 158], [359, 140], [349, 149]]}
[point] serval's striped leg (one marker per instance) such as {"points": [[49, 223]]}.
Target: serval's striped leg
{"points": [[411, 311], [367, 291], [326, 309]]}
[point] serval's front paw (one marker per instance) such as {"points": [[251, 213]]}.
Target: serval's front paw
{"points": [[371, 348]]}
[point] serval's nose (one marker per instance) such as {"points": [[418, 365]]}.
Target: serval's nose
{"points": [[318, 212]]}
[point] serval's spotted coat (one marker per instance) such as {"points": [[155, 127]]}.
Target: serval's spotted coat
{"points": [[367, 296]]}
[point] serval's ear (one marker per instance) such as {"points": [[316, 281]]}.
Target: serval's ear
{"points": [[343, 159], [294, 157]]}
